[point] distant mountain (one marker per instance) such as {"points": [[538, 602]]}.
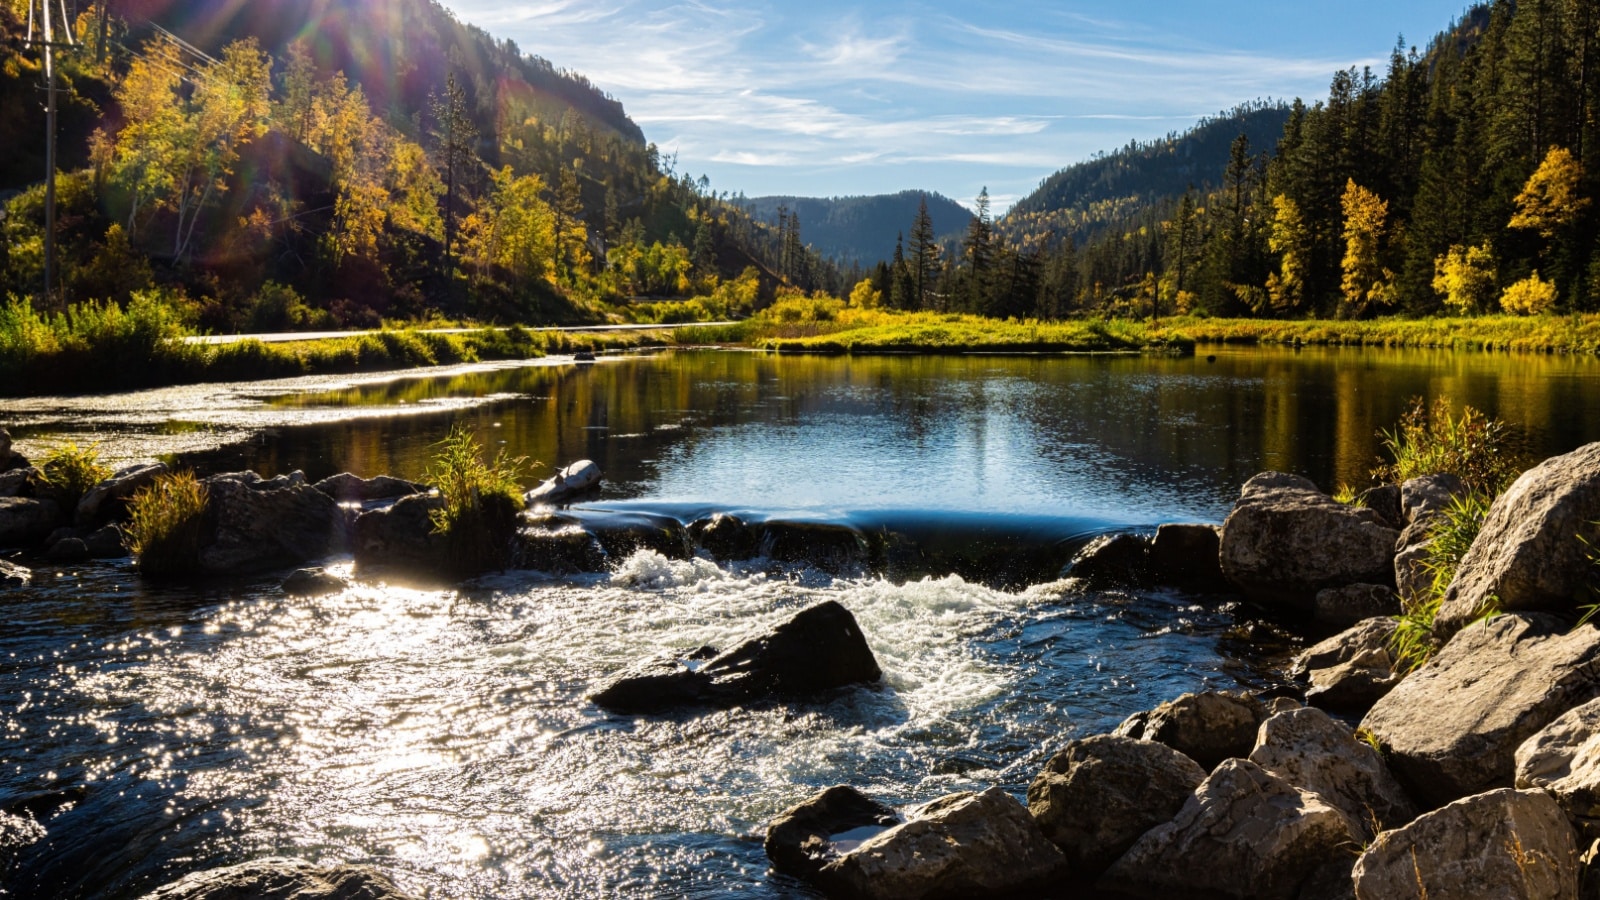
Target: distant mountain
{"points": [[860, 229], [1084, 200]]}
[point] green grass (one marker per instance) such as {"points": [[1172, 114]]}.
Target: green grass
{"points": [[482, 503], [1451, 535], [1543, 334], [70, 471], [164, 524]]}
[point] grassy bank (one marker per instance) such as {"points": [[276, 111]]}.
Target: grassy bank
{"points": [[94, 347], [1542, 334]]}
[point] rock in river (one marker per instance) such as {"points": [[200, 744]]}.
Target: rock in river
{"points": [[277, 878], [820, 649], [1206, 727], [255, 524], [820, 830], [566, 484]]}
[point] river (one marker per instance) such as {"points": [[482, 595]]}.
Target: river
{"points": [[443, 736]]}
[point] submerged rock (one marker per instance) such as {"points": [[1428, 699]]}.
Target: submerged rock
{"points": [[314, 582], [1285, 540], [1099, 795], [820, 649], [13, 575], [818, 831], [1502, 844], [1452, 728], [1117, 559], [278, 878], [1533, 550], [68, 550], [578, 478], [838, 549], [1207, 727]]}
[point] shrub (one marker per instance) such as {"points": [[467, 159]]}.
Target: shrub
{"points": [[165, 522], [1484, 453], [1529, 296], [482, 503], [70, 471]]}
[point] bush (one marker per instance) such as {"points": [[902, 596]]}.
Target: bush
{"points": [[482, 503], [1529, 296], [69, 473], [1483, 452], [165, 522]]}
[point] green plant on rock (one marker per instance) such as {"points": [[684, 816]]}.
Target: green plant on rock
{"points": [[1451, 534], [1484, 453], [165, 524], [70, 471], [482, 502]]}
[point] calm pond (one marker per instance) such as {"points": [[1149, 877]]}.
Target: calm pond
{"points": [[444, 737]]}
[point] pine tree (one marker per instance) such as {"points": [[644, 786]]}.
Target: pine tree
{"points": [[924, 259], [457, 136]]}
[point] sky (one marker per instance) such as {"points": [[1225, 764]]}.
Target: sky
{"points": [[820, 98]]}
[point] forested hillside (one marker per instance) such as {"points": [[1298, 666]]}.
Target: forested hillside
{"points": [[314, 162], [856, 229]]}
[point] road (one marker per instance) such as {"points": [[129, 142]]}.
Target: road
{"points": [[288, 336]]}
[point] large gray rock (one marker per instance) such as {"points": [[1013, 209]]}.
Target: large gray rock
{"points": [[819, 830], [1311, 751], [1426, 496], [957, 847], [1363, 637], [1207, 727], [255, 525], [13, 575], [1244, 833], [1412, 580], [1285, 540], [1452, 728], [1354, 603], [1502, 844], [1098, 795], [1533, 551], [25, 520], [278, 878], [821, 648], [347, 488], [399, 536], [1564, 760], [109, 499], [579, 478], [1356, 685]]}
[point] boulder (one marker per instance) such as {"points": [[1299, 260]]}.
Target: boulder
{"points": [[68, 550], [1244, 833], [1385, 501], [957, 847], [347, 488], [818, 831], [1186, 556], [1285, 540], [1563, 759], [1311, 751], [1411, 576], [314, 582], [559, 549], [578, 478], [820, 649], [829, 547], [1364, 636], [255, 525], [399, 536], [621, 534], [1098, 795], [21, 482], [13, 575], [1353, 687], [1113, 559], [277, 878], [726, 537], [1533, 551], [107, 542], [1208, 728], [26, 521], [1452, 728], [108, 500], [1426, 496], [1501, 844], [1345, 606]]}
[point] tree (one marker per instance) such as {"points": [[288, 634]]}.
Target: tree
{"points": [[864, 295], [456, 135], [1366, 282], [1551, 199], [978, 250], [923, 259], [1465, 277], [1529, 296], [1289, 239]]}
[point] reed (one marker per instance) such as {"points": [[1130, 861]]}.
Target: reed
{"points": [[482, 503], [165, 524]]}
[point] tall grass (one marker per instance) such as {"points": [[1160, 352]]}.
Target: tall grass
{"points": [[1486, 454], [1453, 530], [165, 522], [70, 471], [482, 503]]}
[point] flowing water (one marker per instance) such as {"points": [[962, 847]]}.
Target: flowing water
{"points": [[443, 736]]}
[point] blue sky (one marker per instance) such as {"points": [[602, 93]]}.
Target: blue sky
{"points": [[824, 98]]}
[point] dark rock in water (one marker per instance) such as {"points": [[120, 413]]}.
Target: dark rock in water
{"points": [[68, 550], [59, 535], [1098, 795], [837, 549], [1353, 603], [622, 534], [107, 542], [1285, 540], [22, 482], [399, 536], [13, 575], [281, 879], [348, 488], [1208, 728], [313, 583], [820, 649], [254, 524], [727, 538], [1122, 559], [1533, 551], [1385, 501], [108, 500], [554, 544], [579, 478], [26, 521], [802, 840], [1186, 556]]}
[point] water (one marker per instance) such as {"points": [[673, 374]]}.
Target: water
{"points": [[444, 737]]}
